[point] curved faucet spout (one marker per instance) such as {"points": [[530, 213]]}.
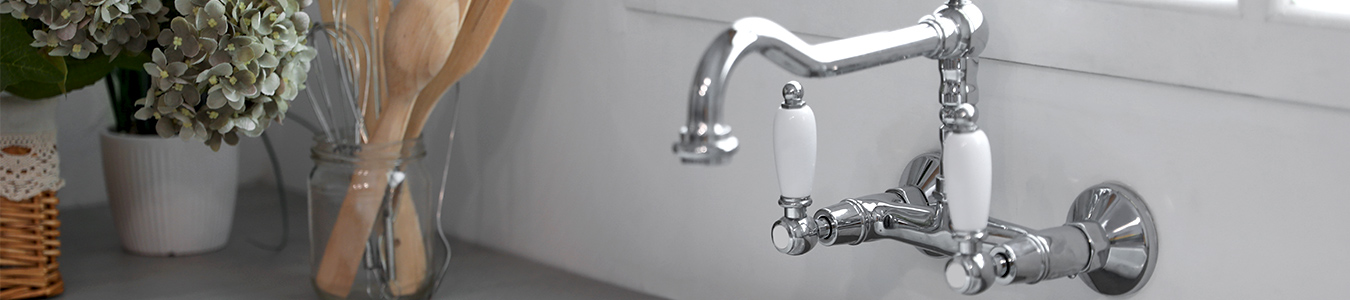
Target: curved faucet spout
{"points": [[706, 140]]}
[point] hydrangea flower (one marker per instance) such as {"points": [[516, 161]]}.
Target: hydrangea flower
{"points": [[62, 14], [211, 20], [247, 57], [125, 24], [42, 39], [80, 27], [15, 8], [180, 40], [165, 72], [78, 47]]}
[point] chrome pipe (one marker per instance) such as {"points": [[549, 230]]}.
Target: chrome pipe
{"points": [[706, 140], [1050, 253], [891, 215], [955, 31]]}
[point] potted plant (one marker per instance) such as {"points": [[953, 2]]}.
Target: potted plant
{"points": [[205, 71]]}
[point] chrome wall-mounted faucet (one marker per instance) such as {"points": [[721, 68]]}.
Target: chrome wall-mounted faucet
{"points": [[942, 203]]}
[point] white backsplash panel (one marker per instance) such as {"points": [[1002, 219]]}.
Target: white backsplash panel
{"points": [[563, 155]]}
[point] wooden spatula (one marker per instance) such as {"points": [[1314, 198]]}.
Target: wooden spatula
{"points": [[419, 39], [480, 25]]}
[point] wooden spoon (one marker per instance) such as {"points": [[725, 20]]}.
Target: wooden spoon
{"points": [[480, 25], [465, 7], [410, 263], [419, 39]]}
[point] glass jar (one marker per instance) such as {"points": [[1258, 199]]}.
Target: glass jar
{"points": [[373, 226]]}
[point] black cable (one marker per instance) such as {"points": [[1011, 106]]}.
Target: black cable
{"points": [[281, 194], [305, 123]]}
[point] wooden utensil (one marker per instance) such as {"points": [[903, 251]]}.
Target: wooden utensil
{"points": [[480, 25], [410, 259], [419, 38], [465, 7]]}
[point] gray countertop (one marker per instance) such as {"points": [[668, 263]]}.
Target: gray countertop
{"points": [[94, 266]]}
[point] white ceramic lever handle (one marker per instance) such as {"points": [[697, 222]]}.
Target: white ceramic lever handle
{"points": [[794, 145], [967, 178]]}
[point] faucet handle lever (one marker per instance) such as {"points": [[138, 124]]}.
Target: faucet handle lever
{"points": [[794, 143], [967, 172]]}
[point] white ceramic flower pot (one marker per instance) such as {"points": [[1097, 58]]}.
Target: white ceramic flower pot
{"points": [[170, 197]]}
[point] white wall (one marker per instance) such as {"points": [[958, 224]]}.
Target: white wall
{"points": [[563, 155]]}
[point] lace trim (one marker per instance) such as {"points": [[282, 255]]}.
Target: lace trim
{"points": [[23, 176]]}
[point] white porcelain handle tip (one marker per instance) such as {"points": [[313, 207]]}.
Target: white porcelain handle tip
{"points": [[794, 144], [967, 179]]}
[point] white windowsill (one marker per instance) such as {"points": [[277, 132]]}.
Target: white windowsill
{"points": [[1293, 14], [1247, 55], [1211, 7]]}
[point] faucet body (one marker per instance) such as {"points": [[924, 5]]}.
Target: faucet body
{"points": [[915, 214], [1110, 238]]}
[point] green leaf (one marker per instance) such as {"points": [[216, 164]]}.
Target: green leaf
{"points": [[20, 62], [129, 60], [82, 73], [33, 90], [76, 73]]}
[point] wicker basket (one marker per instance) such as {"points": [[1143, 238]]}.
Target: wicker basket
{"points": [[29, 247], [28, 227]]}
